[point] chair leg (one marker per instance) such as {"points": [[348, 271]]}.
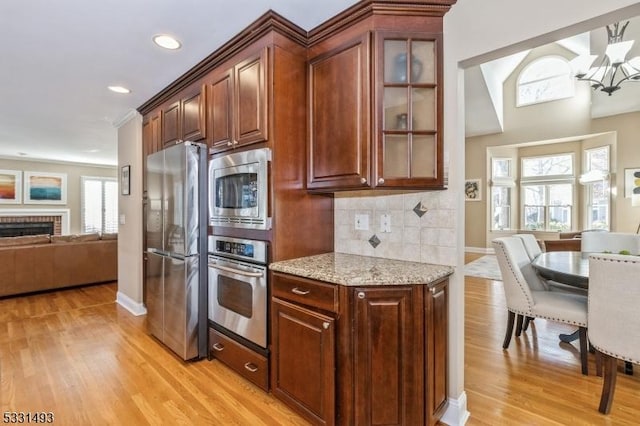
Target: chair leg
{"points": [[598, 363], [609, 384], [583, 350], [527, 320], [519, 325], [507, 336]]}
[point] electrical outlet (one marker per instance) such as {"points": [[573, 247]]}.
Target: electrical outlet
{"points": [[385, 222], [362, 222]]}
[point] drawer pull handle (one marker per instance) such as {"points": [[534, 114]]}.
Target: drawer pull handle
{"points": [[251, 367], [218, 347], [296, 290]]}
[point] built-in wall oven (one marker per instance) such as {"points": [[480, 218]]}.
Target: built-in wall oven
{"points": [[238, 287], [238, 188]]}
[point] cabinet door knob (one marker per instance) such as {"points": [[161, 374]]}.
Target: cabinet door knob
{"points": [[381, 181], [229, 143], [325, 325], [218, 347], [249, 366], [363, 180], [360, 295]]}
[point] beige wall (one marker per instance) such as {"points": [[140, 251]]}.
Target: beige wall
{"points": [[567, 118], [74, 172], [130, 211]]}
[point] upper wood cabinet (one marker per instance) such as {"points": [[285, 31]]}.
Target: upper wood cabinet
{"points": [[375, 113], [238, 106], [151, 133], [339, 105], [409, 110], [185, 118]]}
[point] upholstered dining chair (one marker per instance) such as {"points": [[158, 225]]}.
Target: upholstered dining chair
{"points": [[530, 245], [614, 242], [614, 323], [527, 294]]}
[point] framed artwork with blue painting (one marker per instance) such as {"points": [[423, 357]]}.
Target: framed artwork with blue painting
{"points": [[45, 188]]}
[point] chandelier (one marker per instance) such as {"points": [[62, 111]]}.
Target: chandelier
{"points": [[614, 69]]}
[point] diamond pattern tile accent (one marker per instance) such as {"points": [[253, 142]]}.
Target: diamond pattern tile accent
{"points": [[420, 209], [374, 241]]}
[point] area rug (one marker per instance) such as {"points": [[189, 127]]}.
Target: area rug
{"points": [[484, 267]]}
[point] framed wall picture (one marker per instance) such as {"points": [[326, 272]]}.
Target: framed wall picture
{"points": [[631, 182], [10, 186], [125, 180], [45, 188], [473, 190]]}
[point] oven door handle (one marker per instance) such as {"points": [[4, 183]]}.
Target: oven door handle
{"points": [[237, 271]]}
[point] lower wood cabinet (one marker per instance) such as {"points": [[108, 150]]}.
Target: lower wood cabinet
{"points": [[378, 358], [303, 360], [249, 364]]}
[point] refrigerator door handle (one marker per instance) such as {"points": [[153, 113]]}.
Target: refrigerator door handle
{"points": [[157, 251], [176, 256]]}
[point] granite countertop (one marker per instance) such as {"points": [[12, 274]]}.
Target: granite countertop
{"points": [[354, 270]]}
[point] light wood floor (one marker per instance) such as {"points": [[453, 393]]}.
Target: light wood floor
{"points": [[79, 355]]}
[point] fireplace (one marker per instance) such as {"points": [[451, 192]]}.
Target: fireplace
{"points": [[17, 229], [34, 221]]}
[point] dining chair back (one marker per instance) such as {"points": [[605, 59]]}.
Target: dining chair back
{"points": [[614, 323], [530, 244], [613, 242], [527, 295]]}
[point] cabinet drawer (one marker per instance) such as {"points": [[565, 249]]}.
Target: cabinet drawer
{"points": [[250, 365], [307, 292]]}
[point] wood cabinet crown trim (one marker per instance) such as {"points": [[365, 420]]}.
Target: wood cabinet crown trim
{"points": [[272, 21], [268, 22]]}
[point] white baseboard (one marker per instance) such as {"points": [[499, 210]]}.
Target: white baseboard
{"points": [[456, 413], [483, 250], [130, 305]]}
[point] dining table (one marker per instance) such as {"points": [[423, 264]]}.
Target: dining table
{"points": [[570, 268]]}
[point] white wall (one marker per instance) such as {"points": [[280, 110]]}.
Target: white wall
{"points": [[477, 31], [130, 215]]}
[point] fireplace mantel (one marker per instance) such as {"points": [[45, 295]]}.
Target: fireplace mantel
{"points": [[63, 213]]}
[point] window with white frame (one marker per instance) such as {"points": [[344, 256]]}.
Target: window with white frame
{"points": [[547, 187], [545, 79], [597, 188], [99, 204], [501, 186]]}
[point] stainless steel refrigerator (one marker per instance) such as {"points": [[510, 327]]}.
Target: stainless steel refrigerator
{"points": [[176, 242]]}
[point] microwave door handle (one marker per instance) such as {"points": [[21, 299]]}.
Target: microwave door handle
{"points": [[236, 271]]}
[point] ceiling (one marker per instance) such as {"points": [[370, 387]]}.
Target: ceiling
{"points": [[58, 57], [484, 82]]}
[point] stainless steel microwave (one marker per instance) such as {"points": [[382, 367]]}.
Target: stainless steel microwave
{"points": [[238, 190]]}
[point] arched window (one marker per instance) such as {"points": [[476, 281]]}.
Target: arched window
{"points": [[545, 79]]}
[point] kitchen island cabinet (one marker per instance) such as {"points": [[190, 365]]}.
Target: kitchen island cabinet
{"points": [[384, 324]]}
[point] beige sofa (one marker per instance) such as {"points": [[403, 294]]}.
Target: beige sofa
{"points": [[42, 262]]}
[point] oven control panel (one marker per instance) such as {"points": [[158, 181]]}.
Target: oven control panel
{"points": [[251, 250]]}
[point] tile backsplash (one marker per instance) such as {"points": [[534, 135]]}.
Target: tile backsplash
{"points": [[430, 238]]}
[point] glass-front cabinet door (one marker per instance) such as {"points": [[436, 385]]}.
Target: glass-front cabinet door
{"points": [[409, 121]]}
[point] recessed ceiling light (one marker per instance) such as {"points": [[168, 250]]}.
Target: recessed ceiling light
{"points": [[119, 89], [166, 41], [22, 154]]}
